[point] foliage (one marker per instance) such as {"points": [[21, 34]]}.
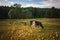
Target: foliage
{"points": [[16, 11], [20, 13], [17, 5], [26, 13]]}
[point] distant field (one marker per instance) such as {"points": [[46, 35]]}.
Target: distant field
{"points": [[12, 29]]}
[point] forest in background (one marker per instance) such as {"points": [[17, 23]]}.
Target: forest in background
{"points": [[18, 12]]}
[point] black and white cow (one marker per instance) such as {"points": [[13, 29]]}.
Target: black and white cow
{"points": [[36, 23]]}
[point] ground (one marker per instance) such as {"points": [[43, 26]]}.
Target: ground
{"points": [[11, 29]]}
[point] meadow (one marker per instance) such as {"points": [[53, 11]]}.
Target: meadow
{"points": [[12, 29]]}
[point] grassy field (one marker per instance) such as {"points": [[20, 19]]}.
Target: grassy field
{"points": [[12, 29]]}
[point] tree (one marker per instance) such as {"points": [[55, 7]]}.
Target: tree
{"points": [[14, 13], [17, 5], [19, 13], [26, 13], [4, 12]]}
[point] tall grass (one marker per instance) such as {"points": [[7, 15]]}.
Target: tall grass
{"points": [[15, 31], [29, 33]]}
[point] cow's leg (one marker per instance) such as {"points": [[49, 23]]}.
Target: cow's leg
{"points": [[41, 26]]}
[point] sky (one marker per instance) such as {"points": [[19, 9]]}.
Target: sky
{"points": [[32, 3]]}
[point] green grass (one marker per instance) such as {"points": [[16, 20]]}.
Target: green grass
{"points": [[11, 29]]}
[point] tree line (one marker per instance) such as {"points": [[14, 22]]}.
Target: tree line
{"points": [[18, 12]]}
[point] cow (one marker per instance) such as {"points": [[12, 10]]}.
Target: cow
{"points": [[36, 23]]}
